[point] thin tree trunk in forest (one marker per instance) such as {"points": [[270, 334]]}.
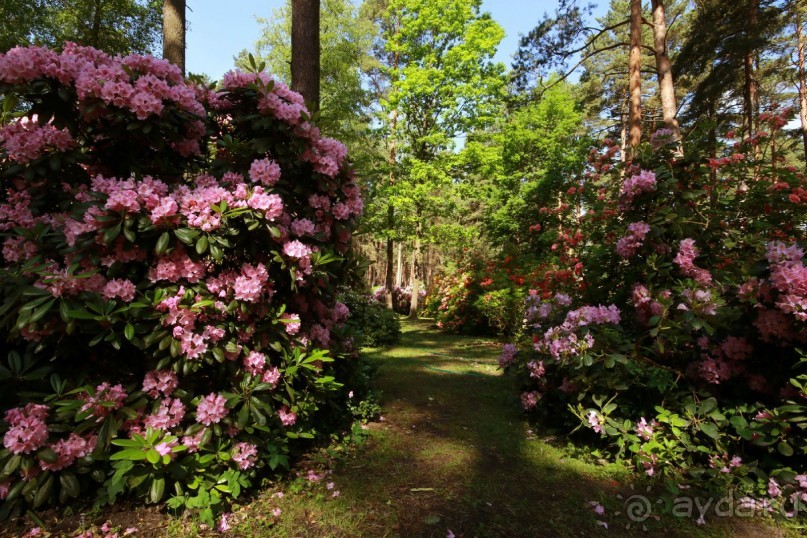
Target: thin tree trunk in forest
{"points": [[663, 69], [95, 31], [398, 273], [623, 135], [802, 85], [174, 32], [635, 73], [750, 83], [393, 123], [305, 50], [413, 304]]}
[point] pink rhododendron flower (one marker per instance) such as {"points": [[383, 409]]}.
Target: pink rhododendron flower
{"points": [[293, 325], [245, 455], [119, 288], [254, 363], [264, 171], [287, 417], [211, 409], [508, 355], [107, 399]]}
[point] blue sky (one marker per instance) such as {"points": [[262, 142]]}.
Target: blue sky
{"points": [[220, 29]]}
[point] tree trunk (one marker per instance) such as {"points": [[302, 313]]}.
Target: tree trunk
{"points": [[398, 273], [663, 69], [413, 304], [174, 32], [388, 273], [802, 84], [95, 31], [393, 123], [623, 134], [305, 50], [635, 76], [750, 83]]}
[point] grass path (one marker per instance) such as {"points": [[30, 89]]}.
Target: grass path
{"points": [[452, 453]]}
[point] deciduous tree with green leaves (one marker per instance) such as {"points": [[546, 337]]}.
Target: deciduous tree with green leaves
{"points": [[442, 83]]}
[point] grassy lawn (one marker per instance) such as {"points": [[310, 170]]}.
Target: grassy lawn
{"points": [[452, 454]]}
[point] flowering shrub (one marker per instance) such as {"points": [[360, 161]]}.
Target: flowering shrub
{"points": [[680, 350], [401, 298], [170, 256], [372, 323]]}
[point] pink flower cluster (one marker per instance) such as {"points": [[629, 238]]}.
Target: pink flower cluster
{"points": [[530, 399], [687, 252], [264, 171], [293, 323], [250, 285], [646, 306], [27, 431], [119, 288], [627, 246], [644, 181], [645, 430], [159, 382], [211, 409], [562, 341], [789, 278], [68, 451], [141, 84], [508, 355], [244, 455], [107, 398], [287, 417], [26, 139], [168, 415]]}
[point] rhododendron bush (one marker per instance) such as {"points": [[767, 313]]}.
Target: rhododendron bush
{"points": [[682, 347], [170, 256]]}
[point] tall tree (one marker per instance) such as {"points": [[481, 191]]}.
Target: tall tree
{"points": [[635, 74], [444, 84], [115, 26], [669, 109], [174, 32], [305, 52]]}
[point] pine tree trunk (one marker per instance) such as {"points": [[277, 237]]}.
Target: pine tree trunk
{"points": [[305, 50], [802, 84], [663, 69], [174, 32], [388, 272], [95, 30], [635, 73]]}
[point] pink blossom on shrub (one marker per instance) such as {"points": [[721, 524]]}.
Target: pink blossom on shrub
{"points": [[271, 376], [645, 430], [68, 451], [160, 381], [292, 326], [596, 422], [644, 181], [211, 409], [168, 415], [18, 249], [287, 417], [193, 442], [119, 288], [508, 355], [264, 171], [687, 252], [245, 455], [627, 246], [26, 139], [251, 284], [28, 431], [254, 363], [530, 399], [111, 395]]}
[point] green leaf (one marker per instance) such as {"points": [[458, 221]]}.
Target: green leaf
{"points": [[129, 331], [162, 243], [201, 245], [157, 490], [70, 484], [710, 430]]}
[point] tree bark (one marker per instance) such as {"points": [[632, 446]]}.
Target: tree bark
{"points": [[663, 69], [305, 50], [635, 73], [174, 32], [802, 84], [398, 273], [95, 30], [392, 158], [388, 285], [413, 304]]}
